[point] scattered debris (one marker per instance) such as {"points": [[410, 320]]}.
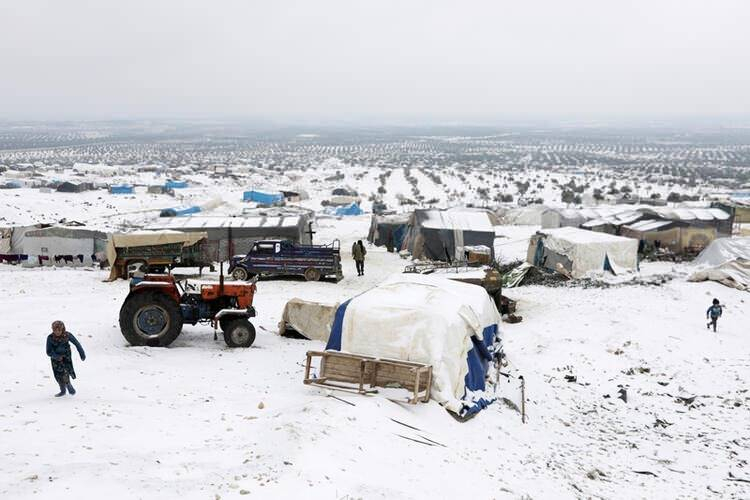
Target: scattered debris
{"points": [[662, 423], [645, 473], [571, 378]]}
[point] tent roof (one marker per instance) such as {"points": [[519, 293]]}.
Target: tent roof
{"points": [[723, 250], [466, 220], [582, 236], [649, 225], [202, 222]]}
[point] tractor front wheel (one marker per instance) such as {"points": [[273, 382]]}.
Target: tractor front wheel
{"points": [[150, 318], [239, 333]]}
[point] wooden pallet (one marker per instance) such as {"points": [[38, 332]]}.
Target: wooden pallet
{"points": [[340, 368]]}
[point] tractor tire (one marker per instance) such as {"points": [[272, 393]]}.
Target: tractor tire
{"points": [[239, 333], [312, 274], [150, 318], [239, 274]]}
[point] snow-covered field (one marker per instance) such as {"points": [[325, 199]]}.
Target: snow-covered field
{"points": [[199, 420]]}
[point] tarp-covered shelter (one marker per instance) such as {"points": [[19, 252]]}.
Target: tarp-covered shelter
{"points": [[734, 273], [312, 320], [723, 250], [441, 234], [450, 325], [171, 184], [121, 189], [235, 235], [388, 231], [263, 197], [72, 187], [179, 211], [62, 240], [579, 251], [353, 209], [677, 236]]}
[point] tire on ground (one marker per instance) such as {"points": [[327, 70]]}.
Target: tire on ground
{"points": [[159, 306], [312, 274], [239, 333]]}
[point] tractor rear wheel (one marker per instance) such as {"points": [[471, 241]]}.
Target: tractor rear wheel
{"points": [[239, 333], [312, 274], [150, 318], [239, 274]]}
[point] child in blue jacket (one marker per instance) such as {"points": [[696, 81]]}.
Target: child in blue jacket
{"points": [[714, 312]]}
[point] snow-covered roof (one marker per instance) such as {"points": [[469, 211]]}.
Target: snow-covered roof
{"points": [[224, 222], [466, 220], [582, 236], [648, 225]]}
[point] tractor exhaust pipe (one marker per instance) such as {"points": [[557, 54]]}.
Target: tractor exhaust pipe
{"points": [[221, 278]]}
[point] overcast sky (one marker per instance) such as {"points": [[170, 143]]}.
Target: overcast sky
{"points": [[349, 58]]}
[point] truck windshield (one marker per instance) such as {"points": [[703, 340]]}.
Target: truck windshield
{"points": [[264, 249]]}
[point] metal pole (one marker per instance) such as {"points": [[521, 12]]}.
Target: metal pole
{"points": [[523, 399]]}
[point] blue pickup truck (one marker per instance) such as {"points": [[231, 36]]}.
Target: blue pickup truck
{"points": [[286, 258]]}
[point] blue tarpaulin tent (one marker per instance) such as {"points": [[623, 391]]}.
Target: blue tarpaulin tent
{"points": [[450, 325], [352, 209], [122, 189], [175, 185], [263, 197], [179, 212]]}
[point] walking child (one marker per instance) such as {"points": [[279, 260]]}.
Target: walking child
{"points": [[58, 349], [714, 313]]}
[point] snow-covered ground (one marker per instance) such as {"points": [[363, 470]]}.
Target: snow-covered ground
{"points": [[199, 420]]}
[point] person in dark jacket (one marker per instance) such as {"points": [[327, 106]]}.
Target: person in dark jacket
{"points": [[58, 349], [358, 253], [714, 312]]}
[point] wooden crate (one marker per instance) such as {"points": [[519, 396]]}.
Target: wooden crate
{"points": [[341, 370]]}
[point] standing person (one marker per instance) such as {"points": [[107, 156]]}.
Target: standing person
{"points": [[58, 349], [358, 253], [714, 312]]}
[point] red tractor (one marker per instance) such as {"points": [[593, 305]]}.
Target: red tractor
{"points": [[157, 306]]}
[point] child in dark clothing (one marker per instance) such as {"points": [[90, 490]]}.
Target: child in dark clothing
{"points": [[58, 349], [714, 312]]}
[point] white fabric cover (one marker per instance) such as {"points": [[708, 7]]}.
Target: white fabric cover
{"points": [[586, 249], [734, 273], [722, 250], [425, 319], [311, 319]]}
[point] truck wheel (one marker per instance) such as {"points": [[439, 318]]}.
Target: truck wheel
{"points": [[239, 333], [312, 274], [150, 318], [239, 274]]}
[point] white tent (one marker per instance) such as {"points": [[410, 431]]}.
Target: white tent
{"points": [[579, 251], [429, 320], [723, 250], [734, 273]]}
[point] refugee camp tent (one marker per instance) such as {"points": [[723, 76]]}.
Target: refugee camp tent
{"points": [[388, 231], [352, 209], [263, 197], [734, 273], [450, 325], [675, 235], [121, 189], [554, 217], [521, 216], [442, 234], [62, 240], [157, 189], [579, 251], [235, 235], [723, 250], [171, 184], [6, 233], [71, 187], [179, 212], [343, 200], [295, 196]]}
